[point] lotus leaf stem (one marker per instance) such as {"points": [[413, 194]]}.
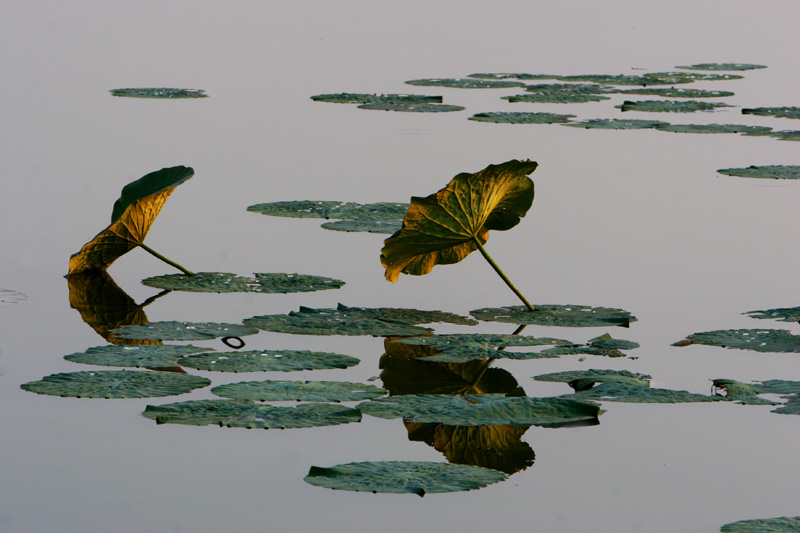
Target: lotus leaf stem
{"points": [[167, 261], [502, 275]]}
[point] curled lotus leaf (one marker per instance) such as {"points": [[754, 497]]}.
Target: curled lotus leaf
{"points": [[776, 172], [573, 316], [413, 108], [722, 66], [359, 98], [760, 340], [680, 92], [616, 124], [669, 106], [461, 348], [784, 314], [521, 118], [116, 384], [783, 524], [414, 477], [267, 361], [301, 391], [159, 92], [715, 128], [778, 112], [244, 414], [182, 331], [134, 355], [440, 229], [466, 83], [223, 282]]}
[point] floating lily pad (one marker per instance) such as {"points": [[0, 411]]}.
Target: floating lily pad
{"points": [[688, 77], [387, 227], [116, 384], [629, 392], [715, 128], [669, 106], [183, 331], [584, 379], [517, 75], [672, 92], [461, 348], [740, 392], [576, 88], [760, 340], [791, 407], [134, 355], [785, 172], [605, 79], [616, 124], [572, 316], [301, 391], [220, 282], [764, 525], [242, 414], [748, 393], [159, 92], [482, 410], [581, 350], [521, 118], [779, 112], [11, 297], [723, 66], [414, 477], [267, 361], [466, 83], [556, 97], [784, 314], [784, 135], [413, 108], [357, 98], [380, 211], [606, 342]]}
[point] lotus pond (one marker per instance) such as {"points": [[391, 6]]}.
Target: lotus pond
{"points": [[542, 280]]}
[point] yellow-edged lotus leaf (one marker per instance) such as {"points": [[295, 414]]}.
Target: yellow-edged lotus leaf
{"points": [[134, 213], [440, 229]]}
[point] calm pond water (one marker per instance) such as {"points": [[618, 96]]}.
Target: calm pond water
{"points": [[636, 219]]}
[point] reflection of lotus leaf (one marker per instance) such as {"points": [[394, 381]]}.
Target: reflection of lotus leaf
{"points": [[785, 314], [672, 92], [521, 118], [183, 331], [267, 361], [466, 83], [413, 477], [301, 391], [764, 525], [785, 172], [779, 112], [136, 355], [760, 340], [358, 98], [722, 66], [241, 414], [460, 348], [715, 128], [159, 92], [669, 106], [116, 384], [616, 124], [573, 316], [219, 282], [11, 297], [413, 108]]}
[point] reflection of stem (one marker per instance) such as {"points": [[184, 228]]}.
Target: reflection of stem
{"points": [[167, 261], [502, 275], [154, 298]]}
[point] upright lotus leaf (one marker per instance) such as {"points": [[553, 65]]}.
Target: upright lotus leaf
{"points": [[414, 477], [136, 356], [782, 524], [267, 361], [116, 384], [462, 348], [784, 314], [779, 112], [301, 391], [571, 316], [183, 331], [224, 282], [760, 340], [775, 172], [722, 66], [133, 214]]}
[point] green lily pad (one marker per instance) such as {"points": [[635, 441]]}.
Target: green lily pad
{"points": [[628, 392], [301, 391], [740, 392], [517, 75], [722, 66], [606, 342], [585, 379], [616, 124], [791, 407], [764, 525], [572, 316], [688, 77], [748, 393], [556, 97], [413, 108], [116, 384], [779, 112], [159, 92], [242, 414], [219, 282], [267, 361], [605, 79], [182, 331], [380, 211], [11, 297], [581, 350], [466, 83], [715, 128], [134, 355], [521, 118], [784, 314], [784, 135], [669, 106], [358, 98], [785, 172], [576, 88], [760, 340], [414, 477], [355, 321], [461, 348], [386, 227], [672, 92], [481, 410]]}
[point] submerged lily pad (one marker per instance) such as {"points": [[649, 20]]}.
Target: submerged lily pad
{"points": [[672, 92], [116, 384], [760, 340], [358, 98], [461, 348], [182, 331], [159, 92], [387, 227], [267, 361], [242, 414], [785, 172], [11, 297], [413, 108], [764, 525], [134, 355], [722, 66], [573, 316], [669, 106], [715, 128], [784, 314], [466, 83], [556, 97], [521, 118], [414, 477], [482, 410], [219, 282], [616, 124], [301, 391], [779, 112]]}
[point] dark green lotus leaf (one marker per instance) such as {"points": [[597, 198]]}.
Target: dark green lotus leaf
{"points": [[357, 98], [784, 172], [116, 384], [607, 343], [784, 314], [11, 297], [466, 83], [776, 386], [581, 350], [387, 227], [381, 211], [760, 340], [722, 66], [572, 316], [301, 391], [715, 128], [791, 407], [616, 124], [183, 331], [461, 348], [605, 79], [688, 77], [355, 321], [273, 283], [482, 410], [414, 477], [134, 355], [413, 108], [630, 392], [521, 118], [584, 379], [764, 525], [740, 392], [267, 361], [779, 112], [784, 135], [242, 414], [517, 75], [556, 97], [669, 106], [672, 92], [159, 92], [575, 88]]}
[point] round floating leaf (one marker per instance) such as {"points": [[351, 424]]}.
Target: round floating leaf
{"points": [[672, 92], [784, 172], [722, 66], [521, 118], [116, 384], [630, 392], [380, 211], [764, 525], [607, 343], [784, 314], [482, 410], [183, 331], [791, 407], [688, 77], [461, 348], [556, 97], [669, 106], [575, 88], [301, 391], [653, 79], [242, 414], [134, 355], [369, 226], [616, 124], [779, 112], [358, 98], [415, 477], [573, 316], [11, 297], [714, 128], [740, 392], [466, 83], [267, 361], [518, 75], [760, 340], [219, 282], [413, 108], [587, 377], [785, 135], [159, 92], [581, 350]]}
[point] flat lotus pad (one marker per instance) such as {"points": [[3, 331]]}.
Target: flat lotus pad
{"points": [[785, 172], [267, 361], [573, 316], [461, 348], [616, 124], [387, 227], [669, 106], [715, 128], [134, 355], [301, 391], [632, 392], [521, 118], [673, 92], [466, 83], [722, 66], [220, 282], [159, 92], [415, 477], [779, 112], [182, 331], [760, 340], [582, 379], [413, 108], [764, 525], [556, 97], [116, 384], [784, 314], [360, 98], [332, 209]]}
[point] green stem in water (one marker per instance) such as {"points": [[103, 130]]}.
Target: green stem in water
{"points": [[167, 261], [502, 275]]}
